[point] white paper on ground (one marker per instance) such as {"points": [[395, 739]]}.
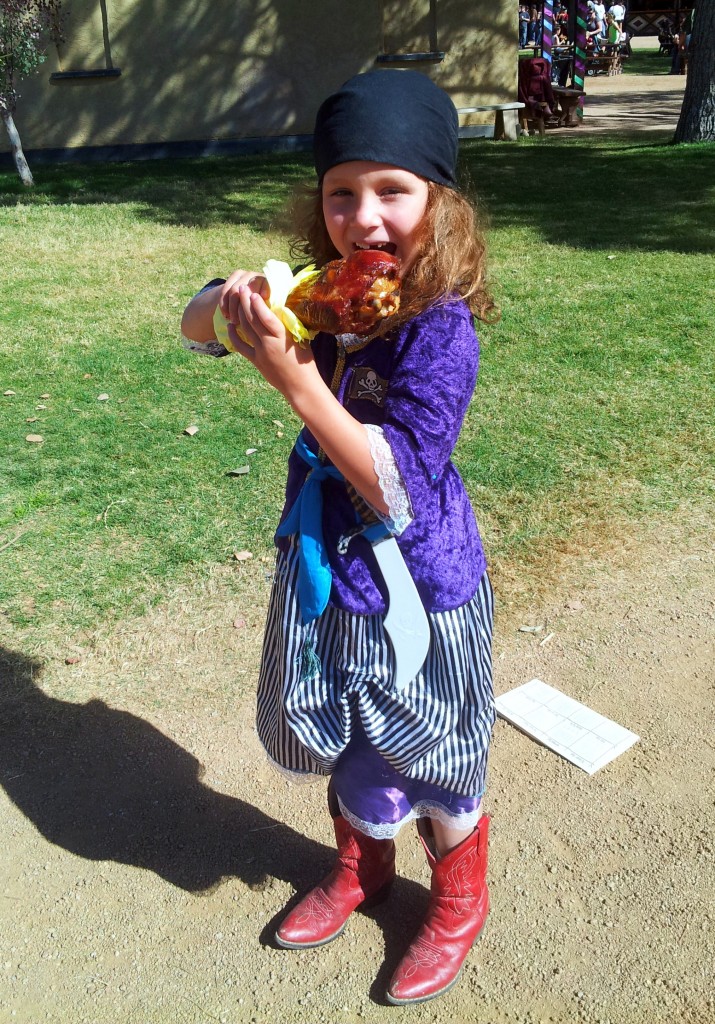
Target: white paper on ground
{"points": [[578, 733]]}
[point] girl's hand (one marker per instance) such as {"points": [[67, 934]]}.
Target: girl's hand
{"points": [[288, 367], [229, 302], [197, 320]]}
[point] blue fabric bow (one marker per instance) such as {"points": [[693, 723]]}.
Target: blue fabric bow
{"points": [[306, 519]]}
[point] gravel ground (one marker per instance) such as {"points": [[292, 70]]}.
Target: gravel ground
{"points": [[149, 851]]}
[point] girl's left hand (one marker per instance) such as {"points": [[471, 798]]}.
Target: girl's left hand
{"points": [[286, 366]]}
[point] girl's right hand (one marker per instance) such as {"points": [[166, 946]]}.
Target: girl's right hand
{"points": [[229, 303]]}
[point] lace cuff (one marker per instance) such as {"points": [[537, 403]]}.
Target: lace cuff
{"points": [[391, 483]]}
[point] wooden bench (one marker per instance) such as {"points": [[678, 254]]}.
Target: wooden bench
{"points": [[506, 120], [610, 62], [568, 101]]}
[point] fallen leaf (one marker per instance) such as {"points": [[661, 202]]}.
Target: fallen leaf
{"points": [[610, 257], [86, 376], [242, 556], [251, 451], [239, 623], [191, 431], [32, 419], [530, 629], [72, 660], [45, 396], [103, 397], [239, 471], [35, 438], [8, 393], [575, 606], [40, 406], [277, 423], [279, 433]]}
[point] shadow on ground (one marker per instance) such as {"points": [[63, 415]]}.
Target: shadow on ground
{"points": [[106, 785], [589, 195], [583, 192]]}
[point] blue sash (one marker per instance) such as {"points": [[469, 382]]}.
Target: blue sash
{"points": [[306, 519]]}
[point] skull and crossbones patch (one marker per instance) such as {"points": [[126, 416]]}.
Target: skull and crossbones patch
{"points": [[368, 384]]}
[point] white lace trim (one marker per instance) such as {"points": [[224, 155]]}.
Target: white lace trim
{"points": [[392, 485], [423, 809]]}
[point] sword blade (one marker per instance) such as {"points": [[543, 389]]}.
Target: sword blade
{"points": [[406, 622]]}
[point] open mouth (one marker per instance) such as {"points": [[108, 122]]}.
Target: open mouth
{"points": [[388, 247]]}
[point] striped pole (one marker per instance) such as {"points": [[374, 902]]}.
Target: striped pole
{"points": [[547, 30], [579, 60]]}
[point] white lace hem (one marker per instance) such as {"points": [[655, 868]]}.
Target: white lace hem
{"points": [[391, 483], [423, 809]]}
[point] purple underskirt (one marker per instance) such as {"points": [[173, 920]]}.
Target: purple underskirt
{"points": [[374, 793]]}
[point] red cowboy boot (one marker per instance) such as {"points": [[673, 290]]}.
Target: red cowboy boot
{"points": [[457, 910], [362, 874]]}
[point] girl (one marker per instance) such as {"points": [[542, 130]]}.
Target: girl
{"points": [[382, 416]]}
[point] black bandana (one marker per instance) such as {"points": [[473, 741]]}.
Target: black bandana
{"points": [[389, 117]]}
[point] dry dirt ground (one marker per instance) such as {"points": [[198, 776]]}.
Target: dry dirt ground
{"points": [[148, 851], [637, 105]]}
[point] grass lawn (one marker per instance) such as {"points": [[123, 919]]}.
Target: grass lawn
{"points": [[594, 404], [647, 62]]}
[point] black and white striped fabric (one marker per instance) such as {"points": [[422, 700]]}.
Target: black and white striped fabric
{"points": [[317, 681]]}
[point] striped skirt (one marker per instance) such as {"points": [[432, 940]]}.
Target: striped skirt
{"points": [[327, 683]]}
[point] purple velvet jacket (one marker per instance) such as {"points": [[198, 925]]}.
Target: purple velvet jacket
{"points": [[416, 383]]}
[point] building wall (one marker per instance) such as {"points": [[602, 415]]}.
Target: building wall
{"points": [[247, 69]]}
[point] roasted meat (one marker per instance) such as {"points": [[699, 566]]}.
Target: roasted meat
{"points": [[351, 295]]}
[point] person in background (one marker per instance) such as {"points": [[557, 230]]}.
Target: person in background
{"points": [[681, 40], [613, 33], [683, 35], [523, 25], [593, 31], [618, 11], [599, 11], [534, 26]]}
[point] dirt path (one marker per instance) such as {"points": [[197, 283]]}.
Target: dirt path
{"points": [[632, 104], [149, 850], [642, 106]]}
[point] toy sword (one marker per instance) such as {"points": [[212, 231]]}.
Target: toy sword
{"points": [[406, 622]]}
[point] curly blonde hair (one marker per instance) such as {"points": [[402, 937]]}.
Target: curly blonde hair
{"points": [[451, 256]]}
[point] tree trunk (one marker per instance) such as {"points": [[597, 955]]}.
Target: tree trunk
{"points": [[697, 115], [18, 156]]}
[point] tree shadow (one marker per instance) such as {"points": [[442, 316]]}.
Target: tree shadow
{"points": [[588, 195], [106, 785], [606, 195], [202, 192]]}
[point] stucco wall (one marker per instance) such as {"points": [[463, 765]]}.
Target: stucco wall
{"points": [[241, 69]]}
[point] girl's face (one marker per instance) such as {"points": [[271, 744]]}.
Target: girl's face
{"points": [[374, 206]]}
